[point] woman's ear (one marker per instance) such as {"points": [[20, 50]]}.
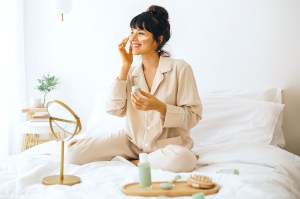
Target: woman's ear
{"points": [[160, 39]]}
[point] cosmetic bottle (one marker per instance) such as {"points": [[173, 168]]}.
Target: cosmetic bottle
{"points": [[135, 89], [144, 172]]}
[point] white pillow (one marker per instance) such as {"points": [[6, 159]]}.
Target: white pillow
{"points": [[235, 120], [100, 122], [266, 94]]}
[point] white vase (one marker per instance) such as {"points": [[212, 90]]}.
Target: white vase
{"points": [[34, 102]]}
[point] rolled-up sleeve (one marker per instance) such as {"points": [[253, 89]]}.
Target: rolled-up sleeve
{"points": [[117, 98], [188, 110]]}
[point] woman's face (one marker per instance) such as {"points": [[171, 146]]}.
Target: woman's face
{"points": [[142, 42]]}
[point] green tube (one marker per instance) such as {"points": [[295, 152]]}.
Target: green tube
{"points": [[144, 173]]}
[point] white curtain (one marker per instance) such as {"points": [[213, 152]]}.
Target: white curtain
{"points": [[12, 76]]}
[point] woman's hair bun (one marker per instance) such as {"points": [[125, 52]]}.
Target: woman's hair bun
{"points": [[159, 10]]}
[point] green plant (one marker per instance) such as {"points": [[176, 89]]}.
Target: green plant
{"points": [[46, 84]]}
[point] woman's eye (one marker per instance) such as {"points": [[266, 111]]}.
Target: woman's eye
{"points": [[141, 33]]}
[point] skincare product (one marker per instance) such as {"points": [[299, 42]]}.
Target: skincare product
{"points": [[170, 184], [144, 172], [229, 171], [198, 196], [135, 89]]}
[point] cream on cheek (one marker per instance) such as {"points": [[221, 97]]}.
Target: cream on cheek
{"points": [[143, 37]]}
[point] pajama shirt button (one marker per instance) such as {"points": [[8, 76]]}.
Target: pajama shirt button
{"points": [[148, 127], [146, 145]]}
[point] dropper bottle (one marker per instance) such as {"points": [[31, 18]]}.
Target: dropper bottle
{"points": [[144, 172]]}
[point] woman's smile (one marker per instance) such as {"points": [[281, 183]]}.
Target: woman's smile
{"points": [[135, 45]]}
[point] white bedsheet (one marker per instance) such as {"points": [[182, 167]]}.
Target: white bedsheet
{"points": [[265, 172]]}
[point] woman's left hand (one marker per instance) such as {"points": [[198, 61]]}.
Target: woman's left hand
{"points": [[147, 102]]}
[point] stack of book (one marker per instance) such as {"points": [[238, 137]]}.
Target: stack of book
{"points": [[40, 117]]}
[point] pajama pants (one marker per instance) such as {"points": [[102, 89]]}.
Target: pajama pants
{"points": [[172, 158]]}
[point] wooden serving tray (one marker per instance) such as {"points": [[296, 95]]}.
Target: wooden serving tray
{"points": [[181, 188]]}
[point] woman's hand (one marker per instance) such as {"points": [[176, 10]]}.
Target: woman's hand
{"points": [[148, 102], [126, 57]]}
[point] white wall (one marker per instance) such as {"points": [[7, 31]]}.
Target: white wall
{"points": [[229, 43]]}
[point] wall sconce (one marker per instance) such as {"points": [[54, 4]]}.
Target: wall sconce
{"points": [[63, 7]]}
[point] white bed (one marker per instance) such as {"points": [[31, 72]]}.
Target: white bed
{"points": [[240, 130]]}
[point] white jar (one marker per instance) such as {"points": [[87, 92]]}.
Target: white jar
{"points": [[34, 102]]}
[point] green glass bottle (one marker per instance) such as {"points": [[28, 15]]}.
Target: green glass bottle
{"points": [[144, 172]]}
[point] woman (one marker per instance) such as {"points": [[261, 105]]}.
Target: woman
{"points": [[158, 119]]}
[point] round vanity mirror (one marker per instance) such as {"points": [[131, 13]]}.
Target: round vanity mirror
{"points": [[69, 123], [64, 118]]}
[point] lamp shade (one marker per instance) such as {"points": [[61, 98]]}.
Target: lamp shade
{"points": [[64, 6]]}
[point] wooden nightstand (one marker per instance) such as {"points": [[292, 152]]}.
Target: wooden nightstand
{"points": [[31, 111], [35, 130]]}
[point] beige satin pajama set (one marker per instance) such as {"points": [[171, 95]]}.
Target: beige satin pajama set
{"points": [[167, 142]]}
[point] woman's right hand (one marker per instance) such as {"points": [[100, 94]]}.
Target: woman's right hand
{"points": [[127, 57]]}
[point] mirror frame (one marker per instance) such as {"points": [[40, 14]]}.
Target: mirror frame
{"points": [[54, 119], [62, 179]]}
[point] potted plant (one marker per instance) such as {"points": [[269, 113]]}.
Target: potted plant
{"points": [[46, 84]]}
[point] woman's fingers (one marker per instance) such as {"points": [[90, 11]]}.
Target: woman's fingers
{"points": [[148, 95], [136, 99], [146, 102], [123, 43], [126, 57], [130, 50], [141, 103]]}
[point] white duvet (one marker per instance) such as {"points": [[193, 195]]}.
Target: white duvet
{"points": [[265, 172]]}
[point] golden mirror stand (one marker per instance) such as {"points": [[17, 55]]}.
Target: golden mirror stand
{"points": [[62, 179]]}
